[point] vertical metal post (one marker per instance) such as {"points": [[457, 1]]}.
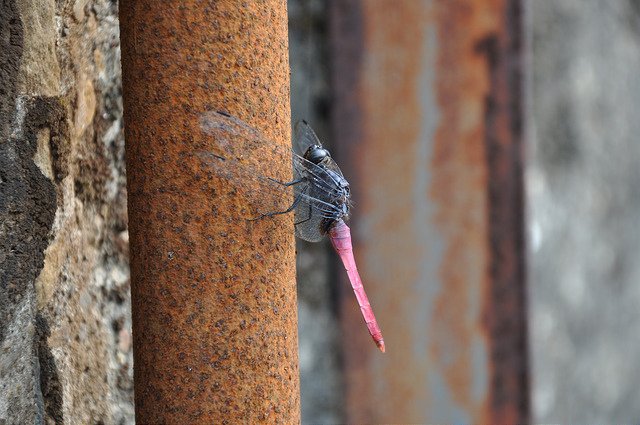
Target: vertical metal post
{"points": [[428, 121], [213, 297]]}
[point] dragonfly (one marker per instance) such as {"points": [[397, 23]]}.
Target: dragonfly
{"points": [[319, 195]]}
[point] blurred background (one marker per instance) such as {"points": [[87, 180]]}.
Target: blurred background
{"points": [[492, 150], [583, 205], [577, 63]]}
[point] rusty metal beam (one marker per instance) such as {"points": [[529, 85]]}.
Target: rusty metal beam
{"points": [[213, 296], [428, 121]]}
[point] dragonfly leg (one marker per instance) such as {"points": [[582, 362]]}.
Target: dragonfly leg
{"points": [[291, 183], [288, 210], [306, 219]]}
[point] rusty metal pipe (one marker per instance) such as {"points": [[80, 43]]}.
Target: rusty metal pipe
{"points": [[213, 297], [428, 118]]}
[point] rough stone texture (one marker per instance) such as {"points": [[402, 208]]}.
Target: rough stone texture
{"points": [[318, 327], [64, 302], [584, 209]]}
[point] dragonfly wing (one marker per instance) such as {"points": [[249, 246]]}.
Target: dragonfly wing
{"points": [[252, 194], [255, 195], [309, 217], [265, 194], [303, 137], [327, 185]]}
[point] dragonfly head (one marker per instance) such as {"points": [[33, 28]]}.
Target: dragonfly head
{"points": [[316, 154]]}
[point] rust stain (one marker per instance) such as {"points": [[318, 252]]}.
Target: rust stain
{"points": [[459, 192], [213, 297], [487, 157], [505, 310], [378, 115], [392, 110], [427, 120]]}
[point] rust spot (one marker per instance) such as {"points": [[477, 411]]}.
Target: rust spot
{"points": [[213, 297]]}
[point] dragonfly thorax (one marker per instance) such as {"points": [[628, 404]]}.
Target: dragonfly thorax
{"points": [[340, 201]]}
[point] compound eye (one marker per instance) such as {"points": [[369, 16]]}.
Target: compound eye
{"points": [[316, 154]]}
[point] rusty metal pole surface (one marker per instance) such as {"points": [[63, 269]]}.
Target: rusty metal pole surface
{"points": [[428, 121], [213, 296]]}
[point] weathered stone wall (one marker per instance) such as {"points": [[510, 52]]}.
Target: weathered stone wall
{"points": [[64, 285]]}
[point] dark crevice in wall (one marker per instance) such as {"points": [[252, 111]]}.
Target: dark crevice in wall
{"points": [[27, 197], [49, 380]]}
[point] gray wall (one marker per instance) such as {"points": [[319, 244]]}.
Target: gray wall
{"points": [[583, 187]]}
